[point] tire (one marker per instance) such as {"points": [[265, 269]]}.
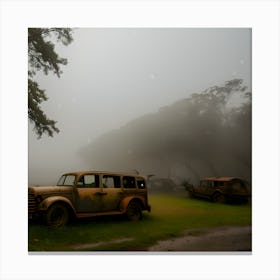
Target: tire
{"points": [[57, 215], [219, 198], [134, 211]]}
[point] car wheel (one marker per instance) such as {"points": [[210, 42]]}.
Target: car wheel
{"points": [[57, 215], [219, 198], [134, 211]]}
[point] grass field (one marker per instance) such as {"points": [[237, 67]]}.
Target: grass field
{"points": [[170, 215]]}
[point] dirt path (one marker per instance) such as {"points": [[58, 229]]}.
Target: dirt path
{"points": [[209, 239], [216, 239], [94, 245]]}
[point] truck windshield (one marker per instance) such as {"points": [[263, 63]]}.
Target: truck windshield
{"points": [[66, 180], [203, 183]]}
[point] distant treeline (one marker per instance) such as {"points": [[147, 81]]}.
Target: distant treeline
{"points": [[206, 134]]}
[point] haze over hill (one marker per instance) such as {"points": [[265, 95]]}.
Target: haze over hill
{"points": [[207, 134]]}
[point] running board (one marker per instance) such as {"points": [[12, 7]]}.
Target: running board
{"points": [[108, 213]]}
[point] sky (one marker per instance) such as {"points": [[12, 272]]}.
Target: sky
{"points": [[115, 75]]}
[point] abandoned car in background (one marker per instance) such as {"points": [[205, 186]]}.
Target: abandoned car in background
{"points": [[221, 189], [89, 194]]}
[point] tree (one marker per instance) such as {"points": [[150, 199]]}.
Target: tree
{"points": [[42, 56], [205, 134]]}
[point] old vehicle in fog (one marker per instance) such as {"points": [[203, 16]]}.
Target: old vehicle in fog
{"points": [[221, 189], [89, 194]]}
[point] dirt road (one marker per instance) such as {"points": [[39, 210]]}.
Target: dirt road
{"points": [[209, 239]]}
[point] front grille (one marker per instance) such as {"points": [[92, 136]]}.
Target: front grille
{"points": [[32, 206]]}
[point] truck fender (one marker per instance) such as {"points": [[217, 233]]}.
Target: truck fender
{"points": [[46, 203], [124, 203]]}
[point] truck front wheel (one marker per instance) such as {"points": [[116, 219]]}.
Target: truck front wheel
{"points": [[57, 215], [219, 198]]}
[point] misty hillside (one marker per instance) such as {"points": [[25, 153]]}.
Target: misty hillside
{"points": [[206, 134]]}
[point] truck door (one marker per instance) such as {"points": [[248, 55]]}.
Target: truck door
{"points": [[88, 194], [113, 193]]}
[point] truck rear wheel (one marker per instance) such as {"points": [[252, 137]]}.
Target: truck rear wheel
{"points": [[134, 211], [57, 215]]}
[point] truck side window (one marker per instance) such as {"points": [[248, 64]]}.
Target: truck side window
{"points": [[129, 182], [88, 181], [109, 181]]}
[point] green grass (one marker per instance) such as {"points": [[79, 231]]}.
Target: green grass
{"points": [[169, 217]]}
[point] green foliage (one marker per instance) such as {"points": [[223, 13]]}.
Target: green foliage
{"points": [[170, 216], [41, 123], [42, 56]]}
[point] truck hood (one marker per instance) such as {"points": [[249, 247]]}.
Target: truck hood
{"points": [[49, 189]]}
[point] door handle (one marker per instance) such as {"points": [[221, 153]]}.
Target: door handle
{"points": [[101, 193]]}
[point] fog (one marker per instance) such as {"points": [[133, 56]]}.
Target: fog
{"points": [[115, 76]]}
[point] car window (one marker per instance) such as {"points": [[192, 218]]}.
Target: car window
{"points": [[88, 181], [66, 180], [129, 182], [203, 183], [109, 181], [217, 184], [238, 185]]}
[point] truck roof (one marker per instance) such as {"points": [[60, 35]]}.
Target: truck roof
{"points": [[104, 173], [221, 179]]}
